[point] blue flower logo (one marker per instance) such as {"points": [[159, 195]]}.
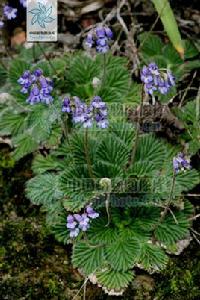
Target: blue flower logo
{"points": [[41, 15]]}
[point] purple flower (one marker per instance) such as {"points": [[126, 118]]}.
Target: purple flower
{"points": [[34, 96], [80, 222], [26, 79], [87, 115], [100, 32], [74, 232], [76, 108], [102, 42], [37, 85], [1, 24], [102, 122], [84, 222], [108, 32], [79, 114], [45, 85], [153, 68], [100, 112], [97, 102], [38, 72], [102, 49], [91, 213], [163, 86], [181, 163], [99, 38], [23, 3], [89, 40], [71, 224], [170, 78], [66, 106], [88, 122], [77, 217], [156, 80], [9, 12], [45, 98]]}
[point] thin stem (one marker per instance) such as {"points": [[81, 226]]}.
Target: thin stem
{"points": [[137, 131], [84, 283], [33, 52], [47, 58], [104, 68], [84, 290], [89, 165], [60, 120], [107, 202], [187, 89], [170, 198]]}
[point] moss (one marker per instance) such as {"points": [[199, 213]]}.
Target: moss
{"points": [[181, 279]]}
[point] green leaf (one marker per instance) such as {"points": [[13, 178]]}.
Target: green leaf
{"points": [[43, 189], [42, 164], [113, 151], [190, 49], [123, 253], [25, 144], [83, 69], [59, 229], [186, 181], [169, 22], [41, 121], [12, 123], [152, 257], [116, 85], [100, 233], [150, 44], [77, 186], [112, 279], [116, 80], [88, 257], [16, 70], [168, 232], [149, 157]]}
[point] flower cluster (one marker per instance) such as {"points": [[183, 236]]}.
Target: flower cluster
{"points": [[99, 38], [9, 12], [181, 163], [80, 222], [38, 87], [155, 79], [86, 115]]}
